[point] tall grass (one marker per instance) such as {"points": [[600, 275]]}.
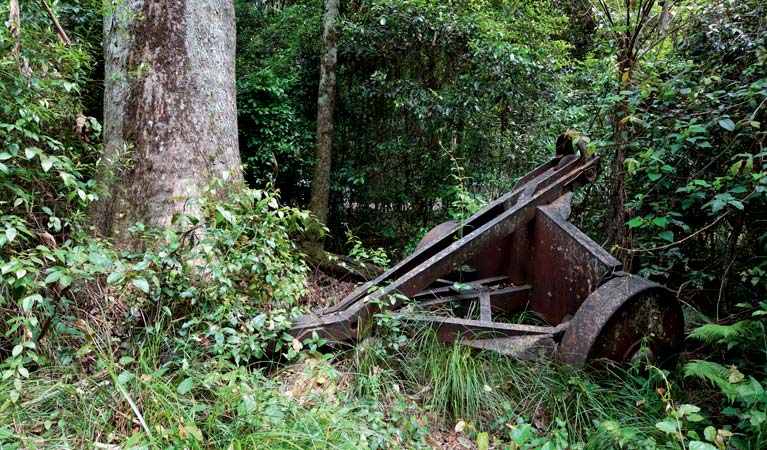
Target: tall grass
{"points": [[138, 402], [493, 392]]}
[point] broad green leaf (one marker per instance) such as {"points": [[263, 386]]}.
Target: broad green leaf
{"points": [[667, 426], [667, 235], [46, 163], [710, 433], [27, 302], [10, 233], [521, 433], [185, 386], [125, 377], [697, 129], [737, 204], [653, 176], [698, 445], [65, 280], [688, 409], [483, 441], [660, 221], [114, 278], [53, 277], [635, 222], [727, 124], [141, 283]]}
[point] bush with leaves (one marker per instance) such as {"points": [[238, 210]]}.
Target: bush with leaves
{"points": [[230, 281], [44, 140]]}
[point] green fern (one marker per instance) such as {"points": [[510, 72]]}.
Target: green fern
{"points": [[719, 375], [713, 333]]}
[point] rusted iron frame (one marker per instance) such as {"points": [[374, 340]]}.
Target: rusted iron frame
{"points": [[500, 299], [566, 264], [475, 286], [448, 329], [479, 218], [498, 220]]}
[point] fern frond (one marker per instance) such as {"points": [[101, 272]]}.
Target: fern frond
{"points": [[711, 333], [716, 373]]}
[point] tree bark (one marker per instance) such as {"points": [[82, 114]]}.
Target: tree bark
{"points": [[170, 120], [616, 217], [320, 194]]}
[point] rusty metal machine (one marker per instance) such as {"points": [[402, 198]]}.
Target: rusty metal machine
{"points": [[519, 253]]}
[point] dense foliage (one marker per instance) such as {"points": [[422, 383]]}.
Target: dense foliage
{"points": [[441, 106], [421, 86]]}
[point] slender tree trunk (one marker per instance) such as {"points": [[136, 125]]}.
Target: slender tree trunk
{"points": [[616, 218], [170, 121], [318, 203]]}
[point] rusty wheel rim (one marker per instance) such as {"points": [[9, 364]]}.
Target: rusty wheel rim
{"points": [[628, 319]]}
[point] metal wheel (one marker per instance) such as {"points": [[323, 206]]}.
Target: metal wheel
{"points": [[629, 318], [436, 233]]}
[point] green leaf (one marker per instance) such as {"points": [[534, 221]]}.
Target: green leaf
{"points": [[660, 221], [667, 235], [710, 433], [185, 386], [141, 283], [688, 409], [65, 280], [53, 276], [521, 433], [125, 377], [635, 222], [698, 445], [653, 176], [727, 124], [115, 277], [46, 163], [667, 426], [483, 441], [26, 303], [10, 233]]}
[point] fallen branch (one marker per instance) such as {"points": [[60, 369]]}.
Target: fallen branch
{"points": [[62, 35]]}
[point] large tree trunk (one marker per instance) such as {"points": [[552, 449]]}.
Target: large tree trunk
{"points": [[170, 120], [318, 203]]}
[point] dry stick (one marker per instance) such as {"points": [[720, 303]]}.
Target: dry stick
{"points": [[64, 39], [663, 247], [15, 19]]}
